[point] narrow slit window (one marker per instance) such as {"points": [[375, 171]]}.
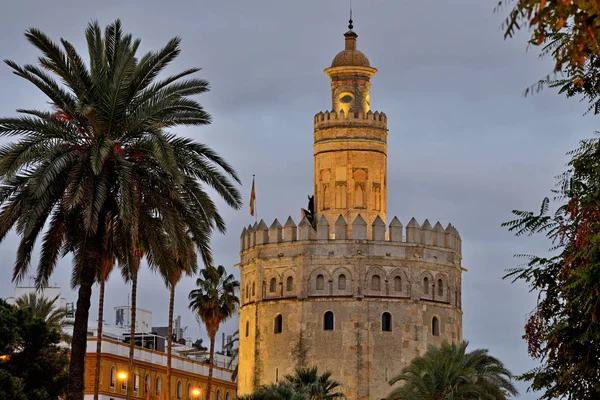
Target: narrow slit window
{"points": [[435, 326], [278, 327], [328, 321], [386, 322]]}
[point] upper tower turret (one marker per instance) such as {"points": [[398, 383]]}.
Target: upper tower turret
{"points": [[350, 74], [350, 143]]}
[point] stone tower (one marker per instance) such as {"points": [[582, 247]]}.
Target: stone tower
{"points": [[352, 296]]}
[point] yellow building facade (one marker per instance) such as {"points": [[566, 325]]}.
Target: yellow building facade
{"points": [[348, 292], [188, 382]]}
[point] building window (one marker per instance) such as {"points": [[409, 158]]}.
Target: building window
{"points": [[386, 322], [278, 327], [440, 287], [227, 396], [136, 383], [179, 390], [342, 282], [253, 287], [328, 321], [190, 391], [124, 384], [247, 328], [435, 326], [456, 298], [376, 283], [247, 291], [276, 375], [113, 377], [273, 285], [157, 388], [147, 383], [289, 284], [218, 395], [426, 285], [398, 284], [320, 282]]}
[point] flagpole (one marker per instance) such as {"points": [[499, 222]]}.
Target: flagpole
{"points": [[255, 209]]}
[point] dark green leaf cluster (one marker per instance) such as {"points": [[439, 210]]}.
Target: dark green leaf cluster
{"points": [[304, 384], [32, 366], [563, 332], [450, 373], [215, 299], [101, 171]]}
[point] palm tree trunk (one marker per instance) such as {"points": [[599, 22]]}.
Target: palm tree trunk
{"points": [[132, 329], [79, 342], [210, 366], [170, 338], [99, 339]]}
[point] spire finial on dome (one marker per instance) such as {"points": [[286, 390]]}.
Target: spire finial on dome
{"points": [[350, 26]]}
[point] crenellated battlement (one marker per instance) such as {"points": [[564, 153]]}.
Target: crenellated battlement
{"points": [[438, 236], [371, 119]]}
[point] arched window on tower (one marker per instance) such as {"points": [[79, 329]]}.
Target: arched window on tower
{"points": [[247, 328], [289, 284], [440, 287], [342, 282], [435, 326], [377, 193], [359, 196], [376, 283], [278, 326], [247, 291], [253, 288], [320, 282], [340, 195], [398, 284], [386, 322], [190, 392], [328, 321], [273, 285], [179, 390], [426, 285]]}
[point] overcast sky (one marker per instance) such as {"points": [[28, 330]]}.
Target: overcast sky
{"points": [[464, 145]]}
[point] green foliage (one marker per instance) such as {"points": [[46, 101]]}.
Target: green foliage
{"points": [[563, 332], [215, 300], [35, 368], [198, 345], [450, 373], [305, 384], [313, 385], [44, 308], [579, 20]]}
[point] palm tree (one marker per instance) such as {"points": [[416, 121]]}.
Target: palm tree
{"points": [[281, 391], [234, 353], [315, 386], [214, 302], [186, 264], [44, 308], [106, 268], [102, 164], [450, 373]]}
